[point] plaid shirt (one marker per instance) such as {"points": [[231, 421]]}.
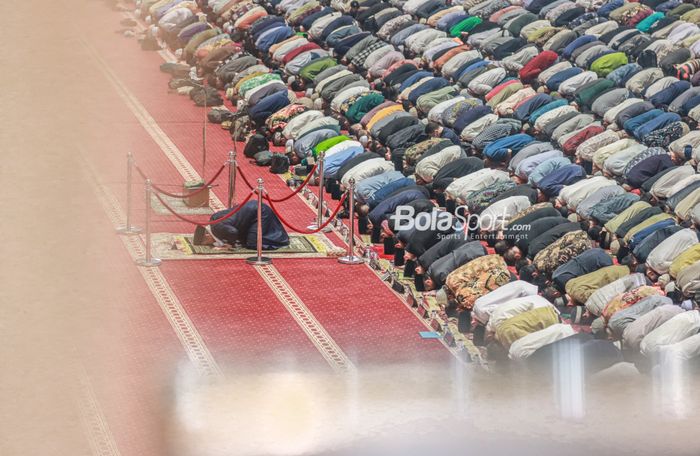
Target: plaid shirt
{"points": [[359, 59]]}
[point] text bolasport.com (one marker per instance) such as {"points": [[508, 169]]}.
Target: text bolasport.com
{"points": [[473, 226]]}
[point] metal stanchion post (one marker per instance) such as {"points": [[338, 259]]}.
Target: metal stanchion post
{"points": [[351, 258], [231, 178], [319, 215], [259, 259], [148, 261], [129, 229]]}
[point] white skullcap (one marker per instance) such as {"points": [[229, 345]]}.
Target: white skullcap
{"points": [[288, 145], [364, 140]]}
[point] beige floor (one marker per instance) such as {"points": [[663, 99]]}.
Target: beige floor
{"points": [[49, 249]]}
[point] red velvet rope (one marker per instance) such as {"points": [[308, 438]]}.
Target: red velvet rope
{"points": [[245, 179], [296, 191], [211, 222], [187, 195], [297, 230]]}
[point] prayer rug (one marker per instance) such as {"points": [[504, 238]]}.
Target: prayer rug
{"points": [[178, 205], [169, 246]]}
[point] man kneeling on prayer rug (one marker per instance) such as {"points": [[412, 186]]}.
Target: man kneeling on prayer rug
{"points": [[241, 229]]}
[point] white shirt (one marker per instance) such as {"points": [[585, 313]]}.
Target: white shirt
{"points": [[527, 345], [470, 131], [299, 121], [674, 330], [515, 307], [462, 187], [600, 298], [429, 166], [485, 305], [591, 145], [662, 256], [494, 217], [662, 188], [573, 194], [367, 168]]}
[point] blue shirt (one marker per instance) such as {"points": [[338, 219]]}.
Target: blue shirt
{"points": [[547, 167], [332, 164], [387, 207], [366, 188], [498, 150], [578, 42], [523, 111], [654, 124], [381, 194], [415, 77], [553, 182], [556, 79], [273, 36]]}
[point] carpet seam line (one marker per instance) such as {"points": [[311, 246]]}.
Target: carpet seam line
{"points": [[167, 300], [318, 335]]}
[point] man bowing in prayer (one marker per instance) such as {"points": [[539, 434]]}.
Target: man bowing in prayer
{"points": [[242, 229]]}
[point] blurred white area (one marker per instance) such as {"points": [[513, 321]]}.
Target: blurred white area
{"points": [[421, 409]]}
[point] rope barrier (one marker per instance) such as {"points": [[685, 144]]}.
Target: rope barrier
{"points": [[211, 222], [245, 179], [182, 196], [295, 229], [298, 189]]}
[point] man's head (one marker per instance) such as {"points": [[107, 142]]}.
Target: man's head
{"points": [[297, 84], [362, 209], [433, 129], [551, 294], [501, 247], [512, 255], [652, 275]]}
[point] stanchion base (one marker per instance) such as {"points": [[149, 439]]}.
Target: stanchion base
{"points": [[314, 227], [153, 262], [351, 259], [129, 230], [261, 261]]}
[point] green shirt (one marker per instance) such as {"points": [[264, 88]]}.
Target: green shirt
{"points": [[256, 82], [363, 105], [328, 143], [587, 96], [427, 101], [310, 71], [607, 63], [465, 25]]}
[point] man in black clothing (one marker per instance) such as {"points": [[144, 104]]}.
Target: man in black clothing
{"points": [[436, 130]]}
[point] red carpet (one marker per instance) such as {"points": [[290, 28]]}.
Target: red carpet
{"points": [[240, 319], [369, 319], [238, 316], [364, 316]]}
